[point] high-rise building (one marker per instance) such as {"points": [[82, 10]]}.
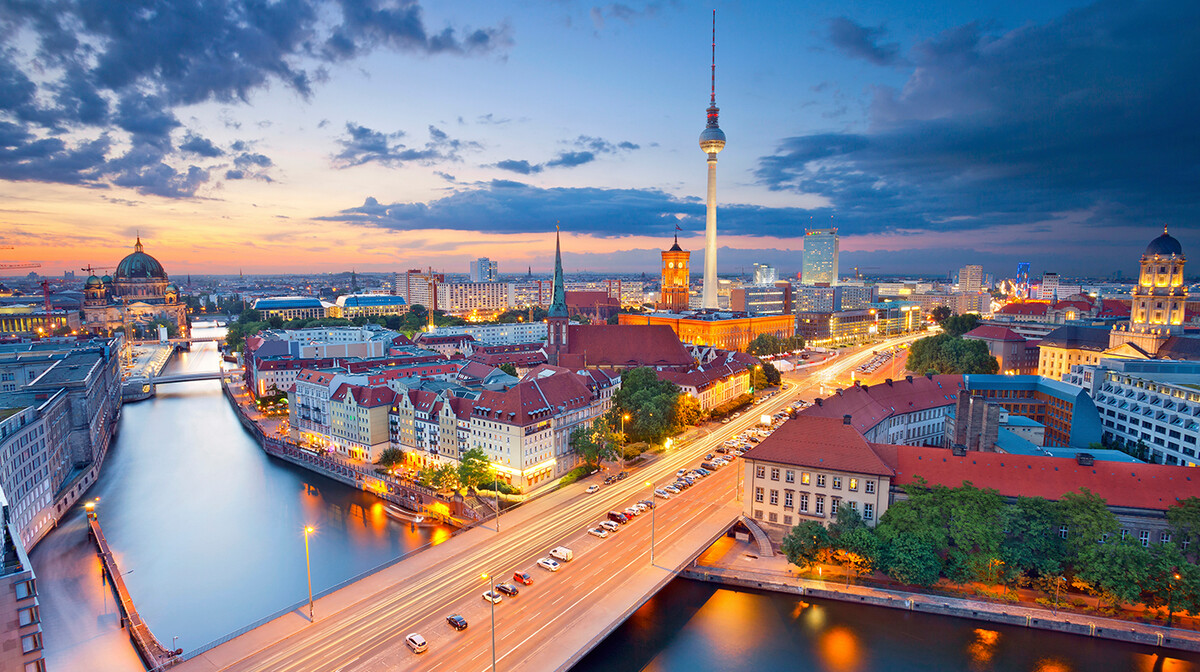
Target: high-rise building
{"points": [[712, 141], [820, 257], [765, 275], [970, 279], [484, 270], [1023, 279], [675, 278], [1049, 288]]}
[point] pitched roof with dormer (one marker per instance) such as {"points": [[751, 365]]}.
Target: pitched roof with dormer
{"points": [[869, 405], [534, 400], [623, 346], [820, 443]]}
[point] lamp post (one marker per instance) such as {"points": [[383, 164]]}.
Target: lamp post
{"points": [[492, 587], [653, 508], [1171, 595], [496, 491], [308, 529], [1058, 582]]}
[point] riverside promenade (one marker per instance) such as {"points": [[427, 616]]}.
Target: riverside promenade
{"points": [[739, 565]]}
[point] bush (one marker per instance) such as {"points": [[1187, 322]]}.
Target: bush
{"points": [[574, 475], [731, 406], [634, 450]]}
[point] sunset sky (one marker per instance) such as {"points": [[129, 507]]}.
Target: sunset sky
{"points": [[313, 135]]}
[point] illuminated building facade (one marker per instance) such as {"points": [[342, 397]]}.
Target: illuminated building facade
{"points": [[675, 278], [721, 329]]}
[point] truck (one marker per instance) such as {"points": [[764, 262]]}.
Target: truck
{"points": [[562, 553]]}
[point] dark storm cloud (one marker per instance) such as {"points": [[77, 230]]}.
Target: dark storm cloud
{"points": [[1091, 112], [112, 67], [506, 206], [363, 145], [862, 42]]}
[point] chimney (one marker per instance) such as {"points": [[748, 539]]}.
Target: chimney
{"points": [[929, 375], [958, 450], [819, 401], [888, 381], [908, 378], [1085, 459], [846, 419]]}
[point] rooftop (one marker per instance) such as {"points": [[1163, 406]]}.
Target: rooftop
{"points": [[820, 443]]}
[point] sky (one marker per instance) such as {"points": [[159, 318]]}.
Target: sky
{"points": [[269, 136]]}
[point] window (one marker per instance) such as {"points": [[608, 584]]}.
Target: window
{"points": [[774, 473], [31, 642], [868, 511], [758, 514], [28, 616], [833, 506], [854, 484], [820, 507], [820, 480], [804, 502], [837, 482], [787, 519], [1062, 532], [789, 476], [758, 494], [772, 516], [1164, 538], [760, 471], [854, 506], [788, 497], [805, 479], [1144, 537], [38, 665], [869, 486], [26, 589], [774, 497]]}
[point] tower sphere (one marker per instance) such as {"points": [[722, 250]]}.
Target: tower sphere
{"points": [[712, 140]]}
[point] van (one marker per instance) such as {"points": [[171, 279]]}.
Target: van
{"points": [[617, 517], [562, 553], [709, 466]]}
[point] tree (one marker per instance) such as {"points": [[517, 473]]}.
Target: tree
{"points": [[911, 560], [596, 443], [758, 379], [858, 550], [1118, 572], [390, 456], [652, 405], [1031, 543], [771, 373], [1184, 518], [687, 411], [805, 543], [960, 324], [946, 353], [1089, 522], [445, 477], [508, 368], [846, 521], [765, 344], [940, 313], [474, 468]]}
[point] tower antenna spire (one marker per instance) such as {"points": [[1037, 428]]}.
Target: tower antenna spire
{"points": [[713, 97]]}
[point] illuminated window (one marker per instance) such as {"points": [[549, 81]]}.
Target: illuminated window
{"points": [[805, 479], [854, 484]]}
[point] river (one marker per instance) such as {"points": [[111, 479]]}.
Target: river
{"points": [[206, 528]]}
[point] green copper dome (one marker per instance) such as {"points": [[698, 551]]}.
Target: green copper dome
{"points": [[139, 265]]}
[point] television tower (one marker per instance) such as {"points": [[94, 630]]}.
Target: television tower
{"points": [[712, 141]]}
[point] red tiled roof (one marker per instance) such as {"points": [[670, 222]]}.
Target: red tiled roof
{"points": [[701, 376], [1028, 308], [990, 333], [623, 345], [475, 370], [423, 400], [316, 377], [820, 443], [870, 405], [1121, 484], [462, 407], [368, 397], [522, 358], [534, 400]]}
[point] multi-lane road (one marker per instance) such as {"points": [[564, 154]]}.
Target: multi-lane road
{"points": [[362, 627]]}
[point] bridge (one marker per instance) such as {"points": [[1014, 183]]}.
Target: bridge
{"points": [[191, 376], [152, 652], [550, 625]]}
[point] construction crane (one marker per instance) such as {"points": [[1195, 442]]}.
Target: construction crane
{"points": [[19, 264]]}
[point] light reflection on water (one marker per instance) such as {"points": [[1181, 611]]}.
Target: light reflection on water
{"points": [[207, 529]]}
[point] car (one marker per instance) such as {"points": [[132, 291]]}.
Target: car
{"points": [[548, 564], [609, 526], [618, 517], [562, 553], [647, 503], [724, 421], [738, 414], [592, 488], [610, 480], [630, 512], [621, 476], [507, 589], [703, 472], [681, 472], [457, 622], [416, 642], [662, 493], [523, 578], [708, 456], [671, 489], [598, 532], [722, 449], [494, 598]]}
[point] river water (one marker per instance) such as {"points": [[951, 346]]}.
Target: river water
{"points": [[207, 530]]}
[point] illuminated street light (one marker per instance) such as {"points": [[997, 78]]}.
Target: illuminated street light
{"points": [[492, 600], [308, 529]]}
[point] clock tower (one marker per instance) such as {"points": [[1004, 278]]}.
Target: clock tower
{"points": [[675, 278]]}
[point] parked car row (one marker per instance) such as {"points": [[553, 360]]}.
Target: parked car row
{"points": [[877, 361]]}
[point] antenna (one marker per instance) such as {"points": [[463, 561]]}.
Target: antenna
{"points": [[713, 98]]}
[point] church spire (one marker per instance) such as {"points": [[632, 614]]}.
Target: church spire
{"points": [[137, 247], [558, 304]]}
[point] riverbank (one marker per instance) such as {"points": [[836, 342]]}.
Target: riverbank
{"points": [[738, 564]]}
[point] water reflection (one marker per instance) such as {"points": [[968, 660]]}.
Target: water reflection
{"points": [[208, 529]]}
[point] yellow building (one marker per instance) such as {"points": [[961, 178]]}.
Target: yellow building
{"points": [[1159, 299], [720, 329]]}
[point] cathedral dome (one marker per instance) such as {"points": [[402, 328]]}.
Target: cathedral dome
{"points": [[93, 282], [1164, 246], [139, 265]]}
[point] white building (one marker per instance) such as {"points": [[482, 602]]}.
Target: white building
{"points": [[484, 270], [500, 334]]}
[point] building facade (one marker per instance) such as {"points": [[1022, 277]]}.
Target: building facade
{"points": [[676, 278], [1159, 298], [721, 329], [368, 305], [293, 307], [820, 257], [484, 270]]}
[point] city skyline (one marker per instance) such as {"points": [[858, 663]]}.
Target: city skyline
{"points": [[329, 139]]}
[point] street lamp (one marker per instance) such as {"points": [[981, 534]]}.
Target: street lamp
{"points": [[653, 508], [308, 529], [1171, 596], [1061, 580], [492, 600]]}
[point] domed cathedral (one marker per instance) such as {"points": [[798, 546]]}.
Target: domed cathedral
{"points": [[1159, 299], [138, 294]]}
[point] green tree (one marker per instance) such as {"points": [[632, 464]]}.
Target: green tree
{"points": [[846, 521], [945, 353], [596, 443], [474, 468], [1089, 522], [1031, 543], [1118, 572], [940, 313], [445, 477], [652, 405], [771, 373], [805, 543], [765, 344], [960, 324], [858, 550], [911, 560], [390, 456], [1184, 518], [687, 411], [509, 369]]}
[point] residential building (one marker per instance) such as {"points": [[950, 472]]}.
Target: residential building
{"points": [[416, 286], [911, 411], [890, 318], [1067, 412], [820, 257], [816, 298], [810, 468], [711, 384], [21, 643], [467, 298], [484, 270], [523, 356], [1067, 346], [444, 344], [970, 279], [1013, 352], [756, 300], [358, 420], [500, 334]]}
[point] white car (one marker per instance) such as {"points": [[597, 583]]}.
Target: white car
{"points": [[494, 598], [661, 494], [548, 564], [598, 532], [609, 525], [592, 488], [416, 642], [672, 489]]}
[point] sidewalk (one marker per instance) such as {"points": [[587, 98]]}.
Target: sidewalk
{"points": [[738, 564]]}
